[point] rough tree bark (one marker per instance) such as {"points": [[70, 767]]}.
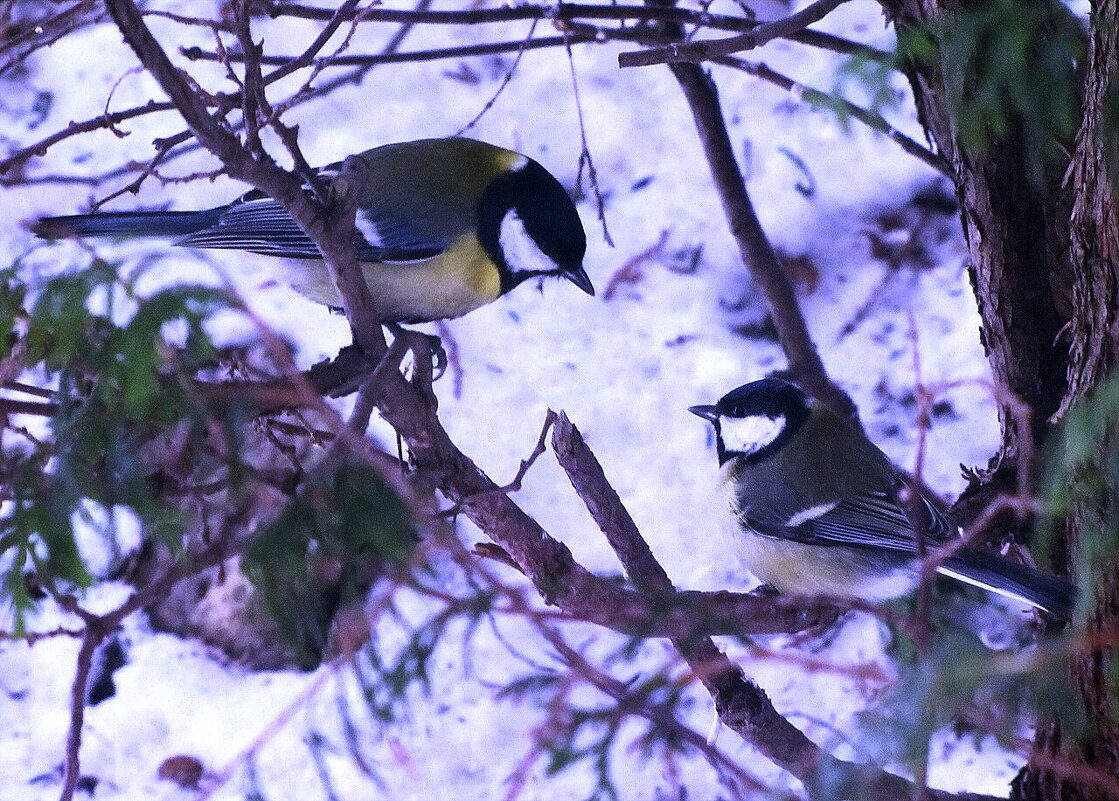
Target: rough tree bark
{"points": [[1017, 231], [1094, 335], [1045, 264]]}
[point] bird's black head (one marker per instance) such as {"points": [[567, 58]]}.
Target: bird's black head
{"points": [[756, 419], [529, 227]]}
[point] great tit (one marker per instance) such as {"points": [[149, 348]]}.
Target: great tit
{"points": [[444, 226], [819, 508]]}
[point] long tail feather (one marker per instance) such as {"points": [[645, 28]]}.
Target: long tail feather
{"points": [[126, 224], [996, 574]]}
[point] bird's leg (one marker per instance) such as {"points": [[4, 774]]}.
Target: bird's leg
{"points": [[429, 357], [427, 346]]}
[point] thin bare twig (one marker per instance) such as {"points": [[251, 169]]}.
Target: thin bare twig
{"points": [[345, 11], [585, 159], [560, 14], [195, 53], [504, 82], [695, 52], [815, 97], [102, 121], [565, 15], [663, 718], [98, 627], [630, 272]]}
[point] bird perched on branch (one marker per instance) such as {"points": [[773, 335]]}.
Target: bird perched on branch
{"points": [[444, 226], [821, 511]]}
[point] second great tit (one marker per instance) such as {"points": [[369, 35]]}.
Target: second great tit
{"points": [[819, 508], [444, 226]]}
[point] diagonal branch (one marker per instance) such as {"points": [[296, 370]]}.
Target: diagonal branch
{"points": [[708, 49], [109, 120], [741, 704], [331, 228], [805, 365], [815, 97]]}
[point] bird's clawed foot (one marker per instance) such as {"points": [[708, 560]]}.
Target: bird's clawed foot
{"points": [[428, 357]]}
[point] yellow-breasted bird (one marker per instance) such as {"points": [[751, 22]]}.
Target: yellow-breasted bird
{"points": [[444, 226]]}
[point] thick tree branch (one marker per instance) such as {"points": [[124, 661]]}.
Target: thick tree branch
{"points": [[13, 406], [548, 563], [602, 501]]}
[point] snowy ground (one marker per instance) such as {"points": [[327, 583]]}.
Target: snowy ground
{"points": [[624, 369]]}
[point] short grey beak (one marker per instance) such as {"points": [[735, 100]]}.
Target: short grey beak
{"points": [[578, 276], [706, 411]]}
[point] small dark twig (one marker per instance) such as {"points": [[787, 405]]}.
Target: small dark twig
{"points": [[522, 471], [162, 149], [414, 56], [559, 14], [489, 550], [99, 627], [506, 79], [253, 101], [815, 97], [585, 159], [33, 637], [344, 12], [102, 121]]}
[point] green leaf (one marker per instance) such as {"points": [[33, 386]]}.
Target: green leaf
{"points": [[324, 550], [120, 382]]}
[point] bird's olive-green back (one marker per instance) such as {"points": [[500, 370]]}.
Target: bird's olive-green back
{"points": [[432, 186]]}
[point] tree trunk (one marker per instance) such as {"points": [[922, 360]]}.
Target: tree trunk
{"points": [[1016, 226], [1094, 333], [1044, 259]]}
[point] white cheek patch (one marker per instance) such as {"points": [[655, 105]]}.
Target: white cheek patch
{"points": [[748, 435], [522, 254]]}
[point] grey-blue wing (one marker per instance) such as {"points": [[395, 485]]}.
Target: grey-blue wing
{"points": [[869, 519], [259, 224]]}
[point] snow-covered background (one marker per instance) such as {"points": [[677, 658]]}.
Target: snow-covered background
{"points": [[624, 369]]}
